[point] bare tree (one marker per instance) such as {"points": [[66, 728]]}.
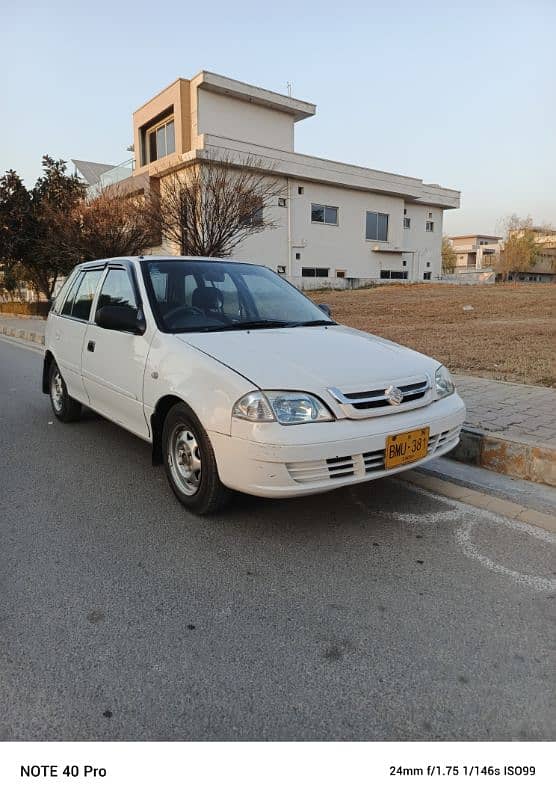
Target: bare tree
{"points": [[209, 207], [111, 224]]}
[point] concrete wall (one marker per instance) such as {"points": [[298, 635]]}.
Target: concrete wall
{"points": [[238, 119], [343, 246], [420, 245]]}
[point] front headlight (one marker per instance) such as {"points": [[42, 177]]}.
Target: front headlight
{"points": [[444, 383], [287, 408]]}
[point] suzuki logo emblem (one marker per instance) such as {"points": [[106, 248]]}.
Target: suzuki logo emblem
{"points": [[393, 395]]}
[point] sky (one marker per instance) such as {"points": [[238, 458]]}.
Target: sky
{"points": [[456, 93]]}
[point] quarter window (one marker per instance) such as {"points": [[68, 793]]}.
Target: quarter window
{"points": [[85, 294], [376, 226], [324, 214], [117, 290], [66, 309]]}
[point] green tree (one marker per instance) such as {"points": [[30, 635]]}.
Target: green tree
{"points": [[15, 212], [52, 251], [35, 226]]}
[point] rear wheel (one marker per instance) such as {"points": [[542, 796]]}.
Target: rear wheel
{"points": [[190, 462], [65, 408]]}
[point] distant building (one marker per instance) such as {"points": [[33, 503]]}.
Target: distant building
{"points": [[544, 268], [475, 251], [338, 224]]}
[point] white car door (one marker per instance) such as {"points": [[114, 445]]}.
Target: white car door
{"points": [[69, 328], [113, 362]]}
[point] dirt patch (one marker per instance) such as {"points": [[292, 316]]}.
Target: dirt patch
{"points": [[510, 333]]}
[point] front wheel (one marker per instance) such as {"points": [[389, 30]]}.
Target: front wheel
{"points": [[190, 462], [65, 408]]}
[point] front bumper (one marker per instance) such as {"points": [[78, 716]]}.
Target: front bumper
{"points": [[326, 455], [272, 460]]}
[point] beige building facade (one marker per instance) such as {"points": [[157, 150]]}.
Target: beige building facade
{"points": [[337, 224], [475, 251]]}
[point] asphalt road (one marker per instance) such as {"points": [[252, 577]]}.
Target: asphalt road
{"points": [[382, 612]]}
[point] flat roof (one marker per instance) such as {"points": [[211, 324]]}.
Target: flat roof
{"points": [[476, 236]]}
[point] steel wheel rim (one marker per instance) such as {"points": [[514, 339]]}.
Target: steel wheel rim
{"points": [[184, 458], [57, 391]]}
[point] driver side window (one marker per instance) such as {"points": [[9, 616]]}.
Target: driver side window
{"points": [[117, 290]]}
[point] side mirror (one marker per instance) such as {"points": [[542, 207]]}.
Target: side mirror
{"points": [[120, 318], [326, 308]]}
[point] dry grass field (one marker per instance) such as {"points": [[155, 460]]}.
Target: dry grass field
{"points": [[509, 335]]}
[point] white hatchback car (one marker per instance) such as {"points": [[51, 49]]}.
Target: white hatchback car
{"points": [[239, 381]]}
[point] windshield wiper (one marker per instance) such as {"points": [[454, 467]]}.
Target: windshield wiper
{"points": [[256, 323], [312, 323]]}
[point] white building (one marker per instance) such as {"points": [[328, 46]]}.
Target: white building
{"points": [[339, 224]]}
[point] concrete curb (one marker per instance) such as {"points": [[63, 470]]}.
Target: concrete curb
{"points": [[19, 333], [479, 500], [502, 454]]}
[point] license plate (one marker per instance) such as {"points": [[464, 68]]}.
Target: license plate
{"points": [[404, 448]]}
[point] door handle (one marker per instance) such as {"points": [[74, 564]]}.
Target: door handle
{"points": [[91, 346]]}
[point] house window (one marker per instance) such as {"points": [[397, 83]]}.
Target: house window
{"points": [[324, 214], [427, 276], [314, 272], [160, 141], [300, 189], [430, 214], [407, 223], [376, 226], [429, 226], [282, 202], [404, 263], [340, 273], [298, 256], [428, 264], [387, 274]]}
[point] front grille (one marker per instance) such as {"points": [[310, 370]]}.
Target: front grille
{"points": [[340, 467], [314, 471], [374, 461], [361, 464], [416, 392]]}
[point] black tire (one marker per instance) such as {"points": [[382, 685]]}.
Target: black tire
{"points": [[65, 408], [190, 463]]}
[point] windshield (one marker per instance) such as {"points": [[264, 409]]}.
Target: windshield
{"points": [[188, 296]]}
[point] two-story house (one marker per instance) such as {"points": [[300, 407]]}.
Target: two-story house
{"points": [[338, 224]]}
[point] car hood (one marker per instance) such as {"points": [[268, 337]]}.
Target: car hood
{"points": [[312, 358]]}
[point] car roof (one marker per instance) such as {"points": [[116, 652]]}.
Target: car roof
{"points": [[138, 259]]}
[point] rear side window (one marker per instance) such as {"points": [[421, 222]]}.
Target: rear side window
{"points": [[117, 290], [64, 290], [85, 294]]}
